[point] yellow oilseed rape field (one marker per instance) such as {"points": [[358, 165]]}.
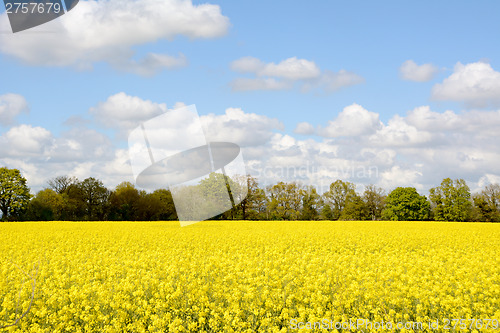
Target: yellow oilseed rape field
{"points": [[232, 276]]}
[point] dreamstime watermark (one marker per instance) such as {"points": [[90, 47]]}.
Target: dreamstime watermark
{"points": [[27, 14], [362, 325], [172, 151], [359, 325]]}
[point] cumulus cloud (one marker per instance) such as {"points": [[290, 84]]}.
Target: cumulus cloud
{"points": [[398, 132], [419, 148], [25, 140], [124, 113], [475, 84], [40, 155], [304, 128], [287, 73], [398, 176], [424, 119], [353, 121], [410, 71], [11, 105], [237, 126], [108, 31]]}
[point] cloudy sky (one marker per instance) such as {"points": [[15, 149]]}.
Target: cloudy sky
{"points": [[382, 92]]}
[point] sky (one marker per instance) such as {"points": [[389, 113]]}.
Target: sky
{"points": [[389, 93]]}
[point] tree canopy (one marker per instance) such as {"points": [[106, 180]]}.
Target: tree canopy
{"points": [[405, 204], [14, 193], [451, 200], [241, 197]]}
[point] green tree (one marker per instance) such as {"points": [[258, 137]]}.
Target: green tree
{"points": [[355, 209], [95, 197], [74, 203], [166, 208], [451, 201], [258, 205], [155, 206], [337, 195], [374, 199], [284, 201], [311, 202], [405, 204], [248, 199], [47, 205], [487, 204], [217, 189], [326, 212], [14, 193], [124, 202]]}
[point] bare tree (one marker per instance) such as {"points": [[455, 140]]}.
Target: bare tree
{"points": [[62, 183]]}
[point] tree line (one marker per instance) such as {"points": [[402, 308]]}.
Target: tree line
{"points": [[69, 199]]}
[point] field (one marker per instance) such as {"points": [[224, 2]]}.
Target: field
{"points": [[249, 276]]}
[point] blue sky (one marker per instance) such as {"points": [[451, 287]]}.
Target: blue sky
{"points": [[72, 65]]}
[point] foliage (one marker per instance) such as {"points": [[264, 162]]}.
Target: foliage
{"points": [[326, 212], [69, 199], [337, 196], [249, 200], [47, 205], [405, 204], [487, 204], [14, 193], [451, 201], [124, 203], [355, 209], [311, 202], [95, 196], [285, 200], [374, 199]]}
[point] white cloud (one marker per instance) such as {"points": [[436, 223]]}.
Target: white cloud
{"points": [[108, 31], [425, 119], [25, 140], [304, 128], [248, 84], [488, 179], [353, 121], [398, 132], [247, 65], [397, 176], [291, 68], [474, 122], [284, 75], [237, 126], [124, 112], [152, 64], [417, 149], [410, 71], [475, 84], [333, 81], [11, 105], [41, 156], [79, 145]]}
